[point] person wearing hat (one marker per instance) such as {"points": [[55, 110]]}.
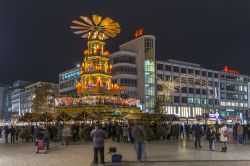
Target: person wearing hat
{"points": [[98, 136]]}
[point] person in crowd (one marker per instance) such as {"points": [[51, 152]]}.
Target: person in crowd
{"points": [[145, 133], [164, 129], [125, 134], [240, 134], [6, 133], [86, 133], [32, 132], [168, 131], [187, 130], [198, 133], [176, 131], [81, 132], [27, 134], [1, 130], [12, 134], [181, 131], [223, 137], [139, 139], [248, 131], [74, 133], [98, 136], [45, 139], [130, 136], [64, 137], [39, 135], [69, 135], [210, 133], [245, 130], [17, 132], [235, 131]]}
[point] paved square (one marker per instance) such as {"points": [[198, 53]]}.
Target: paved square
{"points": [[159, 154]]}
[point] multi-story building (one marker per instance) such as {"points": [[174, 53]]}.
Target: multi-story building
{"points": [[5, 102], [67, 81], [42, 91], [194, 89], [17, 88], [125, 71], [234, 95], [183, 88], [134, 68]]}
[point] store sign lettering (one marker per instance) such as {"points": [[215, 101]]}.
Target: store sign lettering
{"points": [[138, 32], [227, 69]]}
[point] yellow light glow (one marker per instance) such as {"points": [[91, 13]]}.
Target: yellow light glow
{"points": [[96, 28]]}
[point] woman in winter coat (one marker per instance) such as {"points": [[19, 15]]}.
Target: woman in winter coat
{"points": [[223, 137], [210, 133]]}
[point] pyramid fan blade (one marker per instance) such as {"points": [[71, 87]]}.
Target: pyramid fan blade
{"points": [[87, 20], [109, 20], [109, 34], [115, 25], [114, 29], [80, 32], [80, 23], [77, 27], [85, 35], [105, 22], [97, 19]]}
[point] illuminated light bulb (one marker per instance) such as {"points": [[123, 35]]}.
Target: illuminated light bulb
{"points": [[86, 52], [110, 68]]}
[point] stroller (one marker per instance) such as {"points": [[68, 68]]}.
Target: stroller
{"points": [[42, 144]]}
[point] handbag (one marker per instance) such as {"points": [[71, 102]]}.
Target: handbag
{"points": [[225, 133]]}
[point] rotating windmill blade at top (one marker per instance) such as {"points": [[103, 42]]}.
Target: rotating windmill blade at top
{"points": [[96, 28]]}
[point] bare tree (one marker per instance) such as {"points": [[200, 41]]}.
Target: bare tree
{"points": [[43, 100]]}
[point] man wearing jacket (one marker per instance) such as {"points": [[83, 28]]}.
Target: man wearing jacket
{"points": [[98, 135], [198, 134]]}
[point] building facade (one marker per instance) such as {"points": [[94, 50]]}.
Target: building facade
{"points": [[182, 88], [67, 81], [38, 97], [5, 102], [17, 88], [234, 100], [193, 90], [124, 71], [134, 68]]}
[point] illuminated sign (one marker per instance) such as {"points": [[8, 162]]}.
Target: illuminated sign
{"points": [[227, 69], [138, 32], [216, 115]]}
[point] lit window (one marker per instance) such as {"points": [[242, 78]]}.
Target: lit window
{"points": [[190, 100], [204, 101], [197, 100]]}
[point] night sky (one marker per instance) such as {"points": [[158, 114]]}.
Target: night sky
{"points": [[36, 43]]}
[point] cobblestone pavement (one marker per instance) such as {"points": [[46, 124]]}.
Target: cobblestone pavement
{"points": [[178, 153]]}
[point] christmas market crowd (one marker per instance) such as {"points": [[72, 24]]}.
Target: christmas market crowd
{"points": [[121, 132]]}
